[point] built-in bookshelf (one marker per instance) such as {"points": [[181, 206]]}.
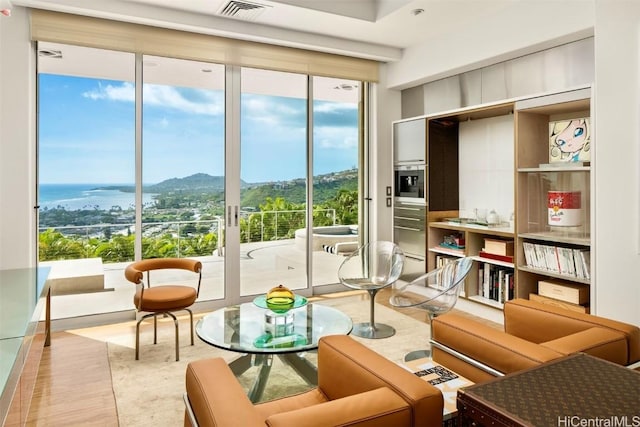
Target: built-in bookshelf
{"points": [[536, 180]]}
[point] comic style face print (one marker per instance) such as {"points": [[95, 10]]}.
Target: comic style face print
{"points": [[569, 140]]}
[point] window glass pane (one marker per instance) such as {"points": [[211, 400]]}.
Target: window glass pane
{"points": [[183, 164], [335, 175], [86, 164], [273, 180]]}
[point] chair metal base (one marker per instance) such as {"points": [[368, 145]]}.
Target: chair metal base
{"points": [[155, 330], [417, 354], [378, 330]]}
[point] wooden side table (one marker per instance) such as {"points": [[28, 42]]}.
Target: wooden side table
{"points": [[444, 379], [572, 391]]}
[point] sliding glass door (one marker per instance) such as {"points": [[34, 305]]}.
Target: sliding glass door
{"points": [[273, 178], [183, 167], [147, 157], [337, 154]]}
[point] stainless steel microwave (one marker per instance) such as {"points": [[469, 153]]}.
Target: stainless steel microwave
{"points": [[410, 183]]}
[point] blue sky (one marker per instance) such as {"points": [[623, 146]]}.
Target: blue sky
{"points": [[87, 126]]}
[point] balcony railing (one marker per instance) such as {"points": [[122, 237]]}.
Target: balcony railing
{"points": [[115, 242]]}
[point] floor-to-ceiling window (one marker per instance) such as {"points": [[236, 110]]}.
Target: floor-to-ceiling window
{"points": [[161, 177]]}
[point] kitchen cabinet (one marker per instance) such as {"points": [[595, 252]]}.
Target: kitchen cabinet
{"points": [[409, 141]]}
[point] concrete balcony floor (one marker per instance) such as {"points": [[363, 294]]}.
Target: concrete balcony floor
{"points": [[263, 265]]}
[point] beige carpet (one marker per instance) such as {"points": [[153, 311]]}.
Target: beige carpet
{"points": [[149, 391]]}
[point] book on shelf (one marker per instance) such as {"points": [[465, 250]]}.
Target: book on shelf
{"points": [[498, 247], [488, 255], [495, 282], [582, 259], [557, 259], [442, 260]]}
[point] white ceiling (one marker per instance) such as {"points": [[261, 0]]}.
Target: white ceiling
{"points": [[383, 30], [374, 29]]}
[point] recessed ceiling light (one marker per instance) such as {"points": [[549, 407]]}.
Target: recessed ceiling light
{"points": [[346, 86]]}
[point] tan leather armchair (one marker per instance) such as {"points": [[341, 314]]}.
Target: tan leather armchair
{"points": [[356, 387], [533, 333]]}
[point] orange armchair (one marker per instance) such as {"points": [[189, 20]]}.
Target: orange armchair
{"points": [[356, 387], [163, 299], [533, 333]]}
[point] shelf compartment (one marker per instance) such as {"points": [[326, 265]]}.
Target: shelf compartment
{"points": [[558, 205]]}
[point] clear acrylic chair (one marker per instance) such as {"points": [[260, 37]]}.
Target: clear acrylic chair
{"points": [[435, 292], [372, 267]]}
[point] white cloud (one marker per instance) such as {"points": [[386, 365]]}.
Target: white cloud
{"points": [[125, 92], [160, 95], [331, 107], [336, 137]]}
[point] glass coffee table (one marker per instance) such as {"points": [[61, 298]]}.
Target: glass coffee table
{"points": [[251, 330]]}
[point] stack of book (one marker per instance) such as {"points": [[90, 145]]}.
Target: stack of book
{"points": [[558, 259], [500, 250], [496, 282]]}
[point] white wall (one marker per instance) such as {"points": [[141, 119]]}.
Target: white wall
{"points": [[17, 146], [617, 158], [386, 104]]}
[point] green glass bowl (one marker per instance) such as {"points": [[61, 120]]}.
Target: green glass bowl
{"points": [[287, 341], [280, 306]]}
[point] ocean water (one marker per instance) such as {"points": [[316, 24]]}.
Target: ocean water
{"points": [[86, 196]]}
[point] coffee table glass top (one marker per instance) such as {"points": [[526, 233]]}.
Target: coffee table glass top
{"points": [[244, 328]]}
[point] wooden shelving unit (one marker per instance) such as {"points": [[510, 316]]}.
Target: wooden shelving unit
{"points": [[533, 178]]}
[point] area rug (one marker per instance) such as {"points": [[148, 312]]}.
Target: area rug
{"points": [[149, 391]]}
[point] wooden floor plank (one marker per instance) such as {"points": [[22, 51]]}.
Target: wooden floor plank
{"points": [[74, 384]]}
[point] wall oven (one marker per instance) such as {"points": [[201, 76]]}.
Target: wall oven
{"points": [[410, 183]]}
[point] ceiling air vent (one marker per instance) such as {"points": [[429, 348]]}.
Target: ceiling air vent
{"points": [[242, 10], [50, 53]]}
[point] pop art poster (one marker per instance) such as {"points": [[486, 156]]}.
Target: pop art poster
{"points": [[570, 140]]}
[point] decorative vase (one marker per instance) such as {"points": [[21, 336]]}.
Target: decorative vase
{"points": [[280, 299]]}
